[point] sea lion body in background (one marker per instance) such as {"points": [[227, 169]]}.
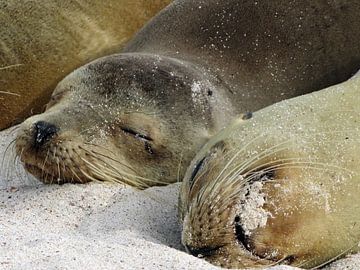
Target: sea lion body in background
{"points": [[260, 51], [42, 41], [281, 187], [184, 76]]}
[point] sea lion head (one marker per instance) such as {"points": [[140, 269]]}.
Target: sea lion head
{"points": [[210, 204], [263, 192], [130, 118]]}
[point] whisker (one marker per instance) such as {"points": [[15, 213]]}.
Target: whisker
{"points": [[13, 129], [105, 172], [17, 172], [285, 166], [9, 156], [125, 173], [75, 174], [59, 172], [9, 93], [257, 158], [95, 153], [89, 176], [265, 153], [296, 161], [268, 152], [178, 180], [336, 257], [103, 155], [44, 163], [11, 66], [236, 155]]}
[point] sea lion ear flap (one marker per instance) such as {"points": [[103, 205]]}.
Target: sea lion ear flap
{"points": [[241, 118]]}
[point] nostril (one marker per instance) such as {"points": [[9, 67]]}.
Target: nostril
{"points": [[43, 132], [240, 233]]}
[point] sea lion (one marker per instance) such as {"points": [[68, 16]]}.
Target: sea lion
{"points": [[280, 187], [179, 81], [42, 41]]}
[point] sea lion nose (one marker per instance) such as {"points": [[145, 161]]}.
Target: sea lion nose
{"points": [[43, 132]]}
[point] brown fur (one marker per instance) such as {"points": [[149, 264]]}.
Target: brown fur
{"points": [[42, 41]]}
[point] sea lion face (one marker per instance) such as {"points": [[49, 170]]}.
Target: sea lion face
{"points": [[225, 209], [260, 193], [211, 210], [127, 118]]}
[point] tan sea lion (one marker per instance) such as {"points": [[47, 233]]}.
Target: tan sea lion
{"points": [[281, 187], [139, 117], [42, 41]]}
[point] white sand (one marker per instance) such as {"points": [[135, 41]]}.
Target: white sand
{"points": [[93, 226]]}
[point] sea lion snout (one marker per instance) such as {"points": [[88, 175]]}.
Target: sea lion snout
{"points": [[43, 132]]}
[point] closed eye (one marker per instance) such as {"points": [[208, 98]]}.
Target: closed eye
{"points": [[195, 171], [141, 137], [136, 134], [55, 98]]}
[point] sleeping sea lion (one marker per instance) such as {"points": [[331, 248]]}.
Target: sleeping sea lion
{"points": [[280, 187], [140, 116]]}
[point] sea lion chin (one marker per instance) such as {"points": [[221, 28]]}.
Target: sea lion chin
{"points": [[108, 119], [279, 188]]}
